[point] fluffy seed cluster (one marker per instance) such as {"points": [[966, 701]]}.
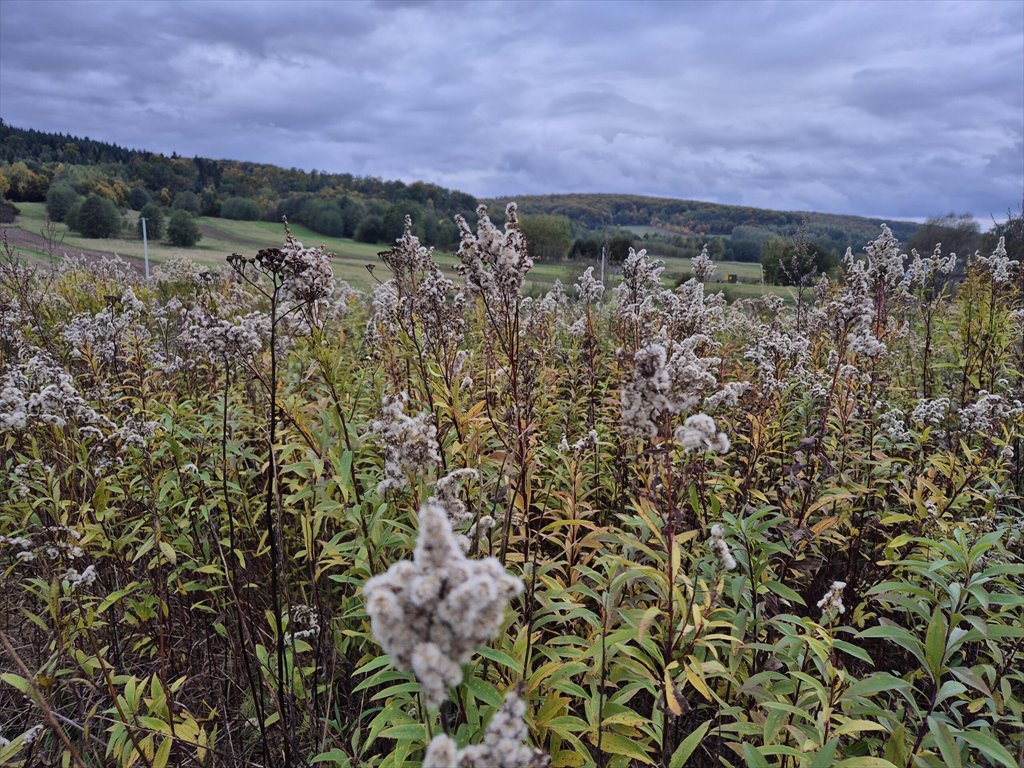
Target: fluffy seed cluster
{"points": [[999, 265], [85, 578], [883, 265], [930, 411], [446, 495], [409, 442], [728, 396], [105, 335], [588, 288], [864, 342], [721, 548], [502, 746], [665, 383], [41, 390], [305, 617], [926, 274], [494, 262], [702, 265], [780, 356], [587, 442], [193, 335], [430, 613], [892, 423], [699, 433], [178, 270], [637, 306], [418, 300], [306, 271], [60, 542], [988, 411], [833, 599], [304, 274]]}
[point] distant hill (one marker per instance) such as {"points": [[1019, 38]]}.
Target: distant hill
{"points": [[372, 210], [663, 217], [366, 208]]}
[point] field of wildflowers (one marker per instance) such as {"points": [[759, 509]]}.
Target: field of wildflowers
{"points": [[253, 517]]}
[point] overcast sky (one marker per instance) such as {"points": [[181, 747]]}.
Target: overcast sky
{"points": [[890, 109]]}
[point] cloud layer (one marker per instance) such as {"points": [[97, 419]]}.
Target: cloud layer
{"points": [[894, 109]]}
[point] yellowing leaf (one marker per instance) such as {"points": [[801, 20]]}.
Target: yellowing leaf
{"points": [[670, 696], [696, 679], [856, 726]]}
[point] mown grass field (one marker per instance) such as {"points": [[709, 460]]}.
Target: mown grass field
{"points": [[222, 237]]}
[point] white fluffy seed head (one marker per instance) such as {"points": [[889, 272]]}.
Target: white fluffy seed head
{"points": [[430, 613]]}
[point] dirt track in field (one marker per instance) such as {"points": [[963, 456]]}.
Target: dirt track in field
{"points": [[19, 238], [219, 234]]}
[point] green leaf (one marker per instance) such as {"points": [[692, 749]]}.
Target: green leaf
{"points": [[407, 732], [853, 650], [163, 754], [935, 643], [499, 657], [620, 745], [989, 747], [826, 756], [483, 691], [15, 681], [784, 592], [949, 689], [684, 750], [754, 758], [945, 742], [335, 755], [878, 683]]}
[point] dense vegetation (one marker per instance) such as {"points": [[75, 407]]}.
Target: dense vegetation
{"points": [[253, 518]]}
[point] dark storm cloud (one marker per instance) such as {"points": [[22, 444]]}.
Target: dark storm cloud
{"points": [[896, 109]]}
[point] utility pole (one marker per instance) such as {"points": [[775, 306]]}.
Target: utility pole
{"points": [[145, 247], [604, 250]]}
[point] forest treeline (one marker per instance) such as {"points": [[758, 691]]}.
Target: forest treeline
{"points": [[72, 173], [365, 208]]}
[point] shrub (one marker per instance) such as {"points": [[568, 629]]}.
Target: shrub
{"points": [[549, 237], [322, 216], [186, 201], [209, 203], [97, 217], [71, 219], [60, 197], [154, 216], [182, 230], [241, 209], [138, 198], [618, 247], [370, 230]]}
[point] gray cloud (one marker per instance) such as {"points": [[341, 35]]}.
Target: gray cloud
{"points": [[896, 109]]}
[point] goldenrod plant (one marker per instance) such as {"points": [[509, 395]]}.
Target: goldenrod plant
{"points": [[254, 517]]}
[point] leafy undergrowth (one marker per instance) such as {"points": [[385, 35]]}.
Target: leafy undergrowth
{"points": [[637, 528]]}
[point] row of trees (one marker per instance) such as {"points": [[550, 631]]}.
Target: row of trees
{"points": [[97, 216], [597, 212]]}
